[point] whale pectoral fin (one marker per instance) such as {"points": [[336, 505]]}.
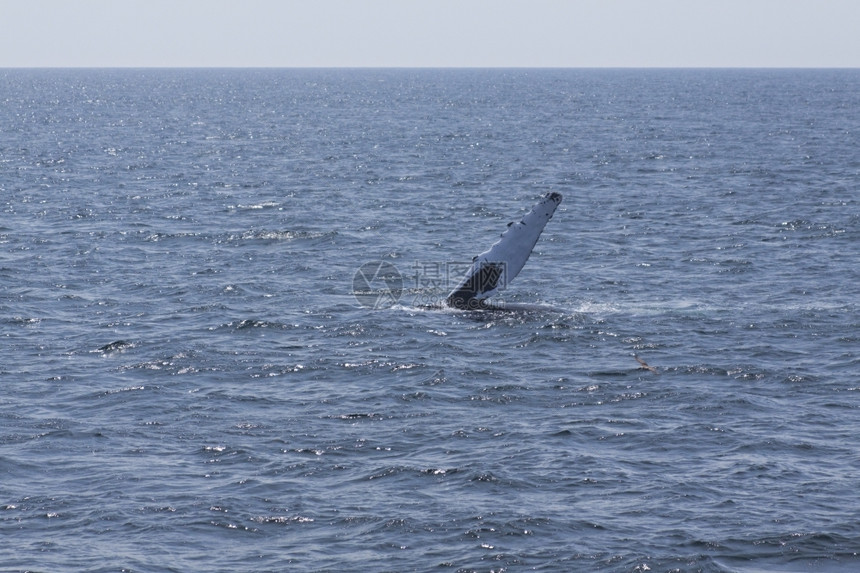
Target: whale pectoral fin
{"points": [[492, 270], [483, 279]]}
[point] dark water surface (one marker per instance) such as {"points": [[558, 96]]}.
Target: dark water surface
{"points": [[189, 384]]}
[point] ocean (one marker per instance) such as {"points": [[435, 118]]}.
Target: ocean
{"points": [[223, 350]]}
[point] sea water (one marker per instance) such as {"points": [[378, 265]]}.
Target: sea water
{"points": [[194, 378]]}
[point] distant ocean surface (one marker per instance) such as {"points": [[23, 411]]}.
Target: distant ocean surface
{"points": [[190, 383]]}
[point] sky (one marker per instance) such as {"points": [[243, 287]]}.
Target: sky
{"points": [[430, 33]]}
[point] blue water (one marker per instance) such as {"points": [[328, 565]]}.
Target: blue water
{"points": [[190, 384]]}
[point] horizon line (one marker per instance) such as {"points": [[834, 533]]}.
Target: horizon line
{"points": [[418, 67]]}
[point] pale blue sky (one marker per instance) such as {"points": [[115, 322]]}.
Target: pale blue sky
{"points": [[437, 33]]}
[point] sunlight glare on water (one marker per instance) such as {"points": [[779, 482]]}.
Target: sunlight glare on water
{"points": [[193, 382]]}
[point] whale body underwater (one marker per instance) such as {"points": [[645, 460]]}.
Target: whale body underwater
{"points": [[494, 269]]}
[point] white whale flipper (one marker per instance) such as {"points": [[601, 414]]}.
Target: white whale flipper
{"points": [[493, 270]]}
